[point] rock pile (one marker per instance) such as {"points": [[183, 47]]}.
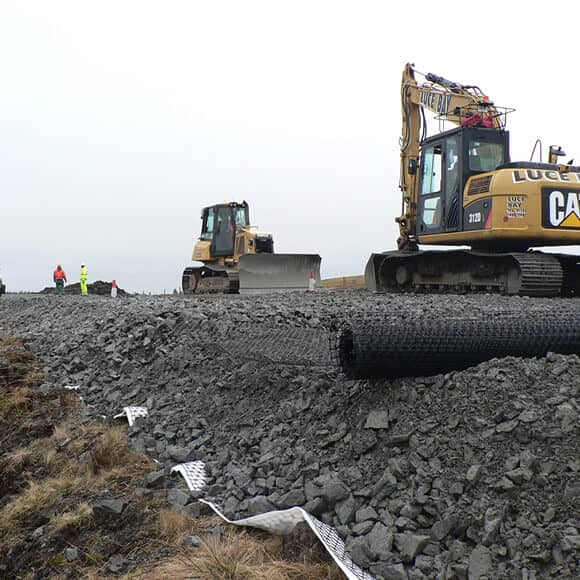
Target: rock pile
{"points": [[470, 474], [99, 288]]}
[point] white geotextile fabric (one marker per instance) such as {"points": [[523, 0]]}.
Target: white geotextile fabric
{"points": [[280, 522], [132, 413], [193, 473], [284, 521]]}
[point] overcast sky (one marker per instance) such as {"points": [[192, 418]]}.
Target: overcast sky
{"points": [[120, 119]]}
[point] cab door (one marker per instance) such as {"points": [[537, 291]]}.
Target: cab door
{"points": [[453, 184], [431, 203], [224, 236]]}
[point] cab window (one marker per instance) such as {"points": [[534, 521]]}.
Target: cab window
{"points": [[208, 224], [224, 231], [241, 217], [431, 178], [432, 212], [485, 156], [452, 166]]}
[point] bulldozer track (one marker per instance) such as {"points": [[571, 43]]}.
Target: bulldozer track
{"points": [[207, 281]]}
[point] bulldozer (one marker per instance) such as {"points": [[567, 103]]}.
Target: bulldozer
{"points": [[460, 188], [236, 258]]}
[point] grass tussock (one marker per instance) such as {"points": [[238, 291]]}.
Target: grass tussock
{"points": [[71, 521], [174, 526], [18, 400], [33, 501], [110, 460], [10, 341], [111, 451], [240, 555], [33, 378], [19, 459]]}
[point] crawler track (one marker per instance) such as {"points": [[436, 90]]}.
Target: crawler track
{"points": [[209, 281], [466, 272]]}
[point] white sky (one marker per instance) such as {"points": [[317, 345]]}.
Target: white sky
{"points": [[120, 119]]}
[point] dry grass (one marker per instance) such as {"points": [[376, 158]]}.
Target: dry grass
{"points": [[9, 341], [72, 520], [41, 452], [33, 501], [18, 400], [111, 451], [33, 378], [111, 459], [19, 460], [239, 555], [174, 526]]}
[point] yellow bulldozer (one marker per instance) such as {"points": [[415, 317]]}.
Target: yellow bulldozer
{"points": [[460, 188], [236, 258]]}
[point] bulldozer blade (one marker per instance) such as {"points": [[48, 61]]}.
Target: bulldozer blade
{"points": [[278, 272], [372, 269]]}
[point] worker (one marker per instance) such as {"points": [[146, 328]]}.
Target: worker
{"points": [[59, 278], [84, 279]]}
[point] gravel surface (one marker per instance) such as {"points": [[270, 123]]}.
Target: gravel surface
{"points": [[471, 474]]}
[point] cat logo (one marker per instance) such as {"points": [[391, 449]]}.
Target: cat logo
{"points": [[560, 208]]}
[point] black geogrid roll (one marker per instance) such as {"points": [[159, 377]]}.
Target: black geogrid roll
{"points": [[371, 348]]}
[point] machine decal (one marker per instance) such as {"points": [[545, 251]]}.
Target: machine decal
{"points": [[436, 102], [560, 208], [515, 207], [519, 175], [476, 215]]}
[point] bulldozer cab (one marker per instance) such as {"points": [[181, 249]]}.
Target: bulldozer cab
{"points": [[448, 160], [220, 224]]}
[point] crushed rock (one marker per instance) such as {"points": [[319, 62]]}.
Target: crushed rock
{"points": [[468, 474]]}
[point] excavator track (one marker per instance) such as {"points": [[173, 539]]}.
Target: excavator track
{"points": [[541, 274], [465, 272]]}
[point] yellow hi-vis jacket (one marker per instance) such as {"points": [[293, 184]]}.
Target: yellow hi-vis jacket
{"points": [[84, 274]]}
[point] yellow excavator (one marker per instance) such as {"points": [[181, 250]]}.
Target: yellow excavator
{"points": [[460, 188], [236, 257]]}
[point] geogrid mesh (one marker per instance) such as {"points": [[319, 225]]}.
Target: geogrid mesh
{"points": [[371, 348], [280, 344]]}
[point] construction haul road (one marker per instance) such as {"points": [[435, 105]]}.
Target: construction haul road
{"points": [[471, 473]]}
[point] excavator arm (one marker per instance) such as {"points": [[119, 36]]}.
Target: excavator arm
{"points": [[449, 101]]}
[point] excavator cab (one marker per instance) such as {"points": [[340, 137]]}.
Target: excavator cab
{"points": [[447, 162]]}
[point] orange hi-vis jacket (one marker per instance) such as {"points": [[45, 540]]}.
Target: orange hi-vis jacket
{"points": [[59, 275]]}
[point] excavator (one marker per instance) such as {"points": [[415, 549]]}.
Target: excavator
{"points": [[460, 188], [236, 258]]}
